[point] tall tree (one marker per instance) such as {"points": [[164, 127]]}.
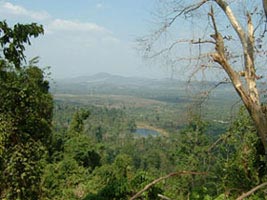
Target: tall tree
{"points": [[25, 115], [221, 34]]}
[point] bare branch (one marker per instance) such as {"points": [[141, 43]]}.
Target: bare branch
{"points": [[220, 58], [186, 10], [217, 36], [163, 197], [196, 6], [234, 22], [206, 94], [232, 108], [248, 50], [250, 67], [149, 40], [163, 178], [204, 55], [202, 41], [243, 196], [220, 139], [194, 42]]}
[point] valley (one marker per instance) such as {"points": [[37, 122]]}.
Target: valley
{"points": [[161, 103]]}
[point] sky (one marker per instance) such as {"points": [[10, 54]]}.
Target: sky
{"points": [[85, 37]]}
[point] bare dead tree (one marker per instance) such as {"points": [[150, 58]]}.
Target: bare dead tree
{"points": [[227, 42]]}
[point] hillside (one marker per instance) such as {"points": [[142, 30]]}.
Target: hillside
{"points": [[167, 90]]}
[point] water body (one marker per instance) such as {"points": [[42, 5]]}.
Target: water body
{"points": [[146, 132]]}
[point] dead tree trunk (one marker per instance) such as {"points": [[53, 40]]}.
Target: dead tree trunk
{"points": [[246, 89]]}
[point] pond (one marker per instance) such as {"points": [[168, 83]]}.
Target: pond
{"points": [[146, 132]]}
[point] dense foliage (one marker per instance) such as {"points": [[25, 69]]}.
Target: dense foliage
{"points": [[25, 116], [119, 163]]}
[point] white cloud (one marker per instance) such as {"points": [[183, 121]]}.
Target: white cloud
{"points": [[13, 9], [86, 34], [8, 9], [88, 31], [76, 26]]}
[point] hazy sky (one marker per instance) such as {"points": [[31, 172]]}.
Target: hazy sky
{"points": [[84, 37]]}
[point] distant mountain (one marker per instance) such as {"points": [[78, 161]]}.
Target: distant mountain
{"points": [[100, 80], [108, 78], [160, 89]]}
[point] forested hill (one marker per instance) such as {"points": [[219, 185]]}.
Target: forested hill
{"points": [[104, 83], [107, 83]]}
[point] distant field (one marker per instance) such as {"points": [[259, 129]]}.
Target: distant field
{"points": [[114, 101]]}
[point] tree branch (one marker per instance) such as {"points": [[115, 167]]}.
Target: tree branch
{"points": [[168, 21], [163, 197], [234, 22], [247, 41], [252, 191], [163, 178], [186, 10], [196, 6], [222, 138], [220, 58], [217, 36], [250, 67], [181, 41]]}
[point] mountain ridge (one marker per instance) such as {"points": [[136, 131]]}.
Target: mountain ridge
{"points": [[171, 89]]}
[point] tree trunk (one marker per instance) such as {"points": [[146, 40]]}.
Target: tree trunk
{"points": [[254, 108], [247, 89], [260, 120]]}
